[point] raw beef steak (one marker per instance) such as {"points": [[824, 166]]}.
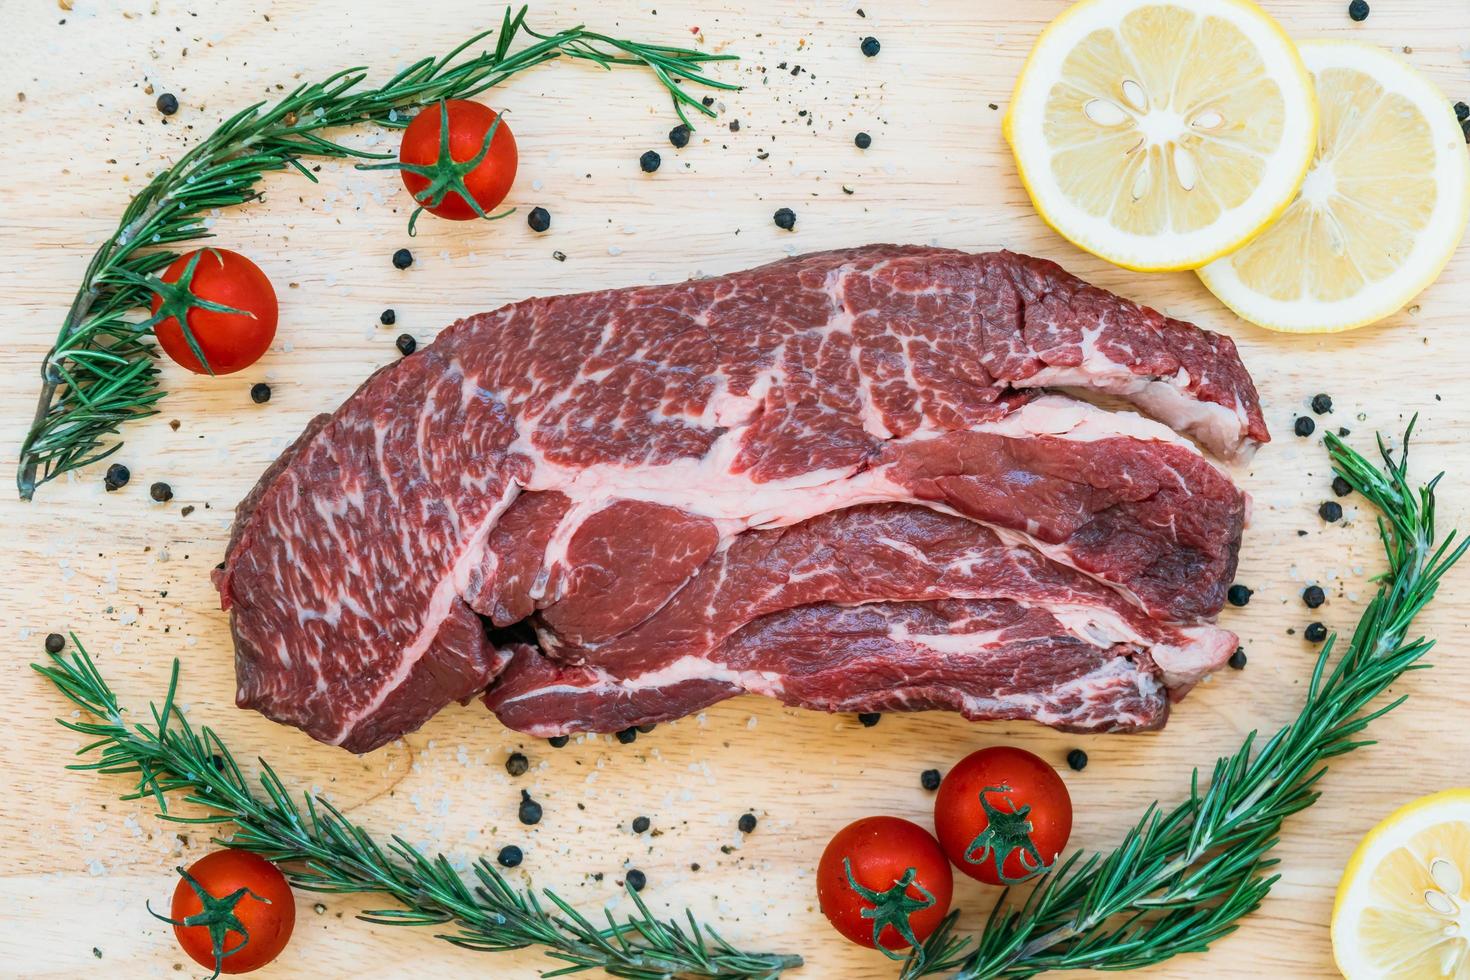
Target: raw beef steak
{"points": [[579, 459]]}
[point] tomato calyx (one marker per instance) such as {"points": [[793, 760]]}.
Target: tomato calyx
{"points": [[176, 299], [892, 908], [445, 175], [1006, 832], [218, 916]]}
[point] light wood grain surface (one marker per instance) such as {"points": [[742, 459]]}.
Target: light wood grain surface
{"points": [[131, 576]]}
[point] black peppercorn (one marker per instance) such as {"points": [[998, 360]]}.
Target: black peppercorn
{"points": [[1315, 633], [161, 492], [517, 764], [402, 259], [1358, 10], [558, 741], [1304, 426], [679, 136], [54, 642], [510, 856], [746, 823], [1238, 595], [530, 810], [168, 104], [870, 46], [640, 824], [1462, 111], [628, 735], [1341, 487], [863, 141], [1077, 759], [387, 318], [1237, 659], [260, 392], [645, 729], [869, 718], [539, 219], [785, 219], [636, 879], [1330, 511], [650, 161], [930, 779], [406, 344], [1321, 404], [1313, 596], [117, 476]]}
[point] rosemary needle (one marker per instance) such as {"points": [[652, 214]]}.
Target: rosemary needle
{"points": [[1183, 878], [101, 374]]}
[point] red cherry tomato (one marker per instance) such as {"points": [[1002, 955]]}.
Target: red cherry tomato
{"points": [[881, 854], [488, 182], [230, 341], [247, 887], [1004, 803]]}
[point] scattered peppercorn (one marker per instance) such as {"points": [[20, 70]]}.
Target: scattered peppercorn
{"points": [[530, 811], [871, 46], [636, 879], [869, 718], [402, 259], [650, 161], [640, 824], [161, 492], [785, 219], [1462, 111], [1304, 426], [1077, 759], [559, 255], [930, 779], [517, 764], [746, 823], [1330, 511], [1358, 10], [54, 642], [628, 735], [539, 219], [168, 104], [1341, 487], [117, 476], [1238, 594], [863, 141], [1321, 404], [510, 856], [1237, 659], [387, 318], [260, 392], [1313, 596], [1315, 633], [558, 741], [406, 344], [645, 729], [679, 136]]}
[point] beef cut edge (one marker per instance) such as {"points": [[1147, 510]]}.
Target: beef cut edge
{"points": [[836, 480]]}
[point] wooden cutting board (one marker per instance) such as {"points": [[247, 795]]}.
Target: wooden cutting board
{"points": [[131, 576]]}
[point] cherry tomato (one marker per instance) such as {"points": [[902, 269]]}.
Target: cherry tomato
{"points": [[206, 282], [862, 877], [1003, 808], [438, 184], [250, 902]]}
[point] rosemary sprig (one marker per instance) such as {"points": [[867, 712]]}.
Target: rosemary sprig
{"points": [[1182, 878], [321, 850], [101, 372]]}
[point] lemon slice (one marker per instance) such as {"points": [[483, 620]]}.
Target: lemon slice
{"points": [[1162, 134], [1380, 213]]}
